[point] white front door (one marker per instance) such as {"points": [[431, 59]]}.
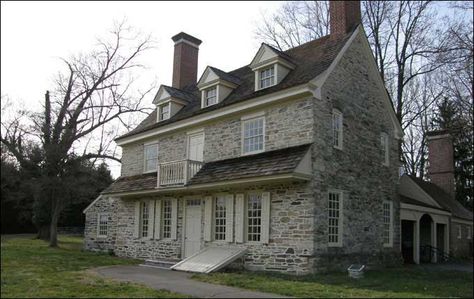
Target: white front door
{"points": [[192, 235], [196, 147]]}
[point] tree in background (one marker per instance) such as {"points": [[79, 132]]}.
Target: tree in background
{"points": [[79, 121]]}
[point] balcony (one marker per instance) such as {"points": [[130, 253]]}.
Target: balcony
{"points": [[177, 173]]}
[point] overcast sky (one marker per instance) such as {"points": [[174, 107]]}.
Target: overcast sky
{"points": [[34, 35]]}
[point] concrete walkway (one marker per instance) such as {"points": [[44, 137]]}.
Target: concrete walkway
{"points": [[179, 282]]}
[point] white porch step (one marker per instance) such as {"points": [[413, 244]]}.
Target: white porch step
{"points": [[161, 264], [210, 259]]}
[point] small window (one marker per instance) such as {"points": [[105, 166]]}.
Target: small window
{"points": [[334, 218], [151, 157], [102, 225], [469, 233], [459, 232], [166, 227], [337, 129], [210, 96], [145, 218], [219, 218], [385, 149], [267, 77], [164, 111], [254, 217], [253, 135], [387, 223]]}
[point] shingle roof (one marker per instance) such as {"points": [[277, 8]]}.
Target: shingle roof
{"points": [[412, 201], [443, 199], [225, 76], [281, 161], [268, 163], [180, 94], [311, 59]]}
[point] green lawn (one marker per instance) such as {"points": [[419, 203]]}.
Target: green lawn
{"points": [[31, 269], [401, 282]]}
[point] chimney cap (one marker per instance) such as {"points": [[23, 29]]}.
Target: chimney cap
{"points": [[438, 133], [186, 37]]}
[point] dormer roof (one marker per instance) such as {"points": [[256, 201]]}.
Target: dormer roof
{"points": [[212, 74], [167, 92], [267, 53]]}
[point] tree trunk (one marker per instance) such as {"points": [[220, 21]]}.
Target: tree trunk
{"points": [[43, 232], [53, 239]]}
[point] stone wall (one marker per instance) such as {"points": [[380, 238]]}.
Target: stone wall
{"points": [[357, 169], [91, 240], [460, 247]]}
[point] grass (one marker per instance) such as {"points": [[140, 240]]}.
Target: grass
{"points": [[31, 269], [407, 282]]}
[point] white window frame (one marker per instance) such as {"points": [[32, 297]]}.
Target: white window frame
{"points": [[459, 231], [149, 216], [99, 215], [247, 119], [146, 159], [160, 111], [206, 97], [261, 79], [469, 232], [340, 219], [390, 219], [246, 217], [384, 141], [337, 116], [164, 233], [223, 198]]}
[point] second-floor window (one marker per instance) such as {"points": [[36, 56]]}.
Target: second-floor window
{"points": [[151, 157], [164, 111], [267, 77], [337, 128], [253, 135], [210, 96], [219, 218], [385, 148]]}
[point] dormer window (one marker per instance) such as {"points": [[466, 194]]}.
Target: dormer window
{"points": [[267, 77], [164, 111], [211, 96]]}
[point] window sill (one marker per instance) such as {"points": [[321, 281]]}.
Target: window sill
{"points": [[334, 245], [338, 147], [102, 237], [388, 245], [253, 153]]}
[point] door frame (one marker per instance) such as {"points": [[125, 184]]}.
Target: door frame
{"points": [[183, 235], [188, 143]]}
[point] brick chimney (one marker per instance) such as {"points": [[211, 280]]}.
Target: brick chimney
{"points": [[343, 16], [185, 62], [441, 160]]}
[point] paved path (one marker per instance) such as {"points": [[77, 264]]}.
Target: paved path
{"points": [[464, 267], [179, 282]]}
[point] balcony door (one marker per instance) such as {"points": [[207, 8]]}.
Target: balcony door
{"points": [[196, 146]]}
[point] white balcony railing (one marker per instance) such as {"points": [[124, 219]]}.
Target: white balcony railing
{"points": [[177, 172]]}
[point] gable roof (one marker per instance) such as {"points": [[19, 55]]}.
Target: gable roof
{"points": [[443, 199], [225, 76], [310, 59], [175, 93]]}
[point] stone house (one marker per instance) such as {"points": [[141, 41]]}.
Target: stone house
{"points": [[293, 158]]}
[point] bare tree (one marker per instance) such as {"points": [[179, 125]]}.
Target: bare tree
{"points": [[89, 101]]}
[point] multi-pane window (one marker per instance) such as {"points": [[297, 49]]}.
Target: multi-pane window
{"points": [[387, 223], [254, 217], [267, 77], [219, 218], [253, 135], [102, 227], [164, 111], [151, 157], [469, 233], [145, 218], [334, 218], [166, 227], [385, 149], [337, 129], [211, 96], [459, 232]]}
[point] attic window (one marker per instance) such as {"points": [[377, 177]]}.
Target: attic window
{"points": [[267, 77], [164, 111], [211, 96]]}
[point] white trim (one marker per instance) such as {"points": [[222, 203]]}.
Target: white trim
{"points": [[253, 115], [386, 148], [340, 218], [390, 232], [98, 224], [145, 159], [242, 136], [159, 108], [182, 40], [340, 132], [285, 94], [459, 233], [252, 180], [427, 196], [91, 204], [457, 220], [423, 209]]}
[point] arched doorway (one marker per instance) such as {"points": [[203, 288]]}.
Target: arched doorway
{"points": [[426, 226]]}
